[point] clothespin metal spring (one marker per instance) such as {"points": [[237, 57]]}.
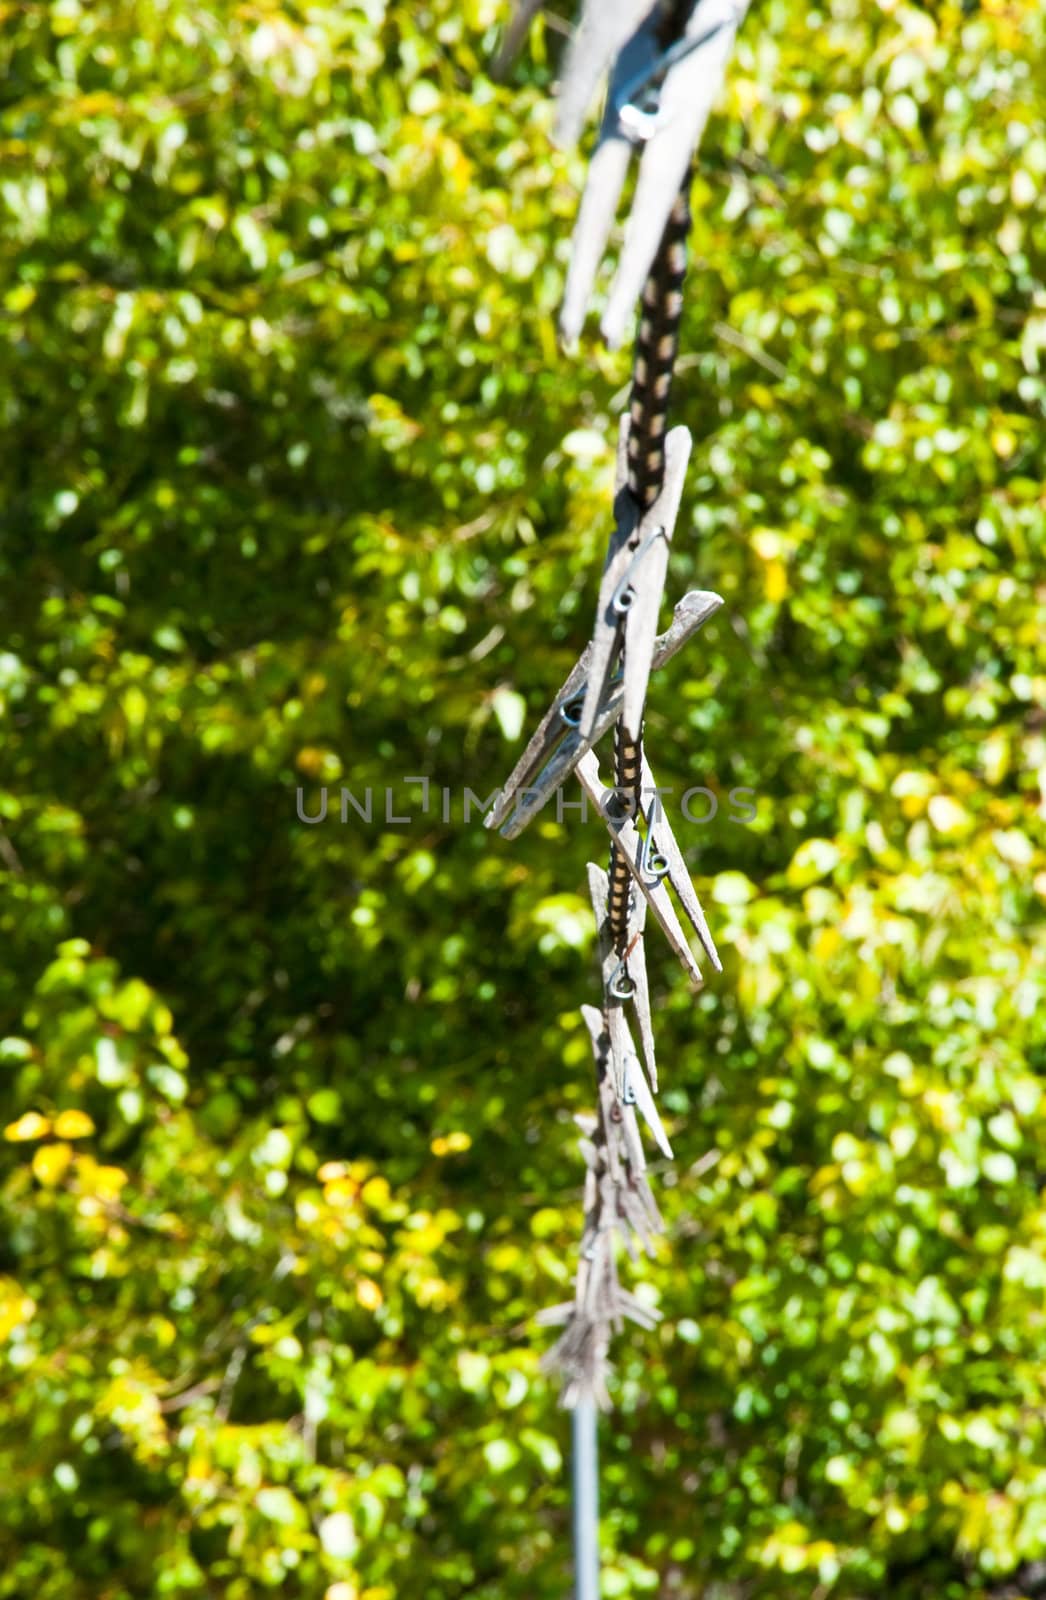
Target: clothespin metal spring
{"points": [[625, 594]]}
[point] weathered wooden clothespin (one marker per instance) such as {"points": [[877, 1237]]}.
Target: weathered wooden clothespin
{"points": [[557, 746], [628, 840], [659, 101], [632, 585]]}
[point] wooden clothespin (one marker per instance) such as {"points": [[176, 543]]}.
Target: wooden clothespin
{"points": [[660, 834], [626, 976], [659, 101], [632, 586], [602, 30], [629, 841], [557, 746]]}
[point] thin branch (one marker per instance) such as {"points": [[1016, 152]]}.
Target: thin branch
{"points": [[730, 335]]}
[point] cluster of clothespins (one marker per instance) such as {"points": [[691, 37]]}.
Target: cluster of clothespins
{"points": [[665, 63]]}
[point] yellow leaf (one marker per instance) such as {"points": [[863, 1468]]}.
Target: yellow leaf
{"points": [[135, 706], [110, 1180], [771, 548], [31, 1126], [369, 1294], [73, 1125], [341, 1192], [451, 1144], [15, 1307], [776, 577], [50, 1164], [376, 1191], [913, 789], [93, 1179], [20, 298]]}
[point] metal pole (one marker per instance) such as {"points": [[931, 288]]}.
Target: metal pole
{"points": [[586, 1501]]}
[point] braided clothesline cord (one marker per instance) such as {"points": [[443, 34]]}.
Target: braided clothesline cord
{"points": [[663, 62], [619, 1205]]}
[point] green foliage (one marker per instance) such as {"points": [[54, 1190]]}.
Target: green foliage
{"points": [[297, 490]]}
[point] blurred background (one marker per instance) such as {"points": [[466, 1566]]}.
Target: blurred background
{"points": [[297, 490]]}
